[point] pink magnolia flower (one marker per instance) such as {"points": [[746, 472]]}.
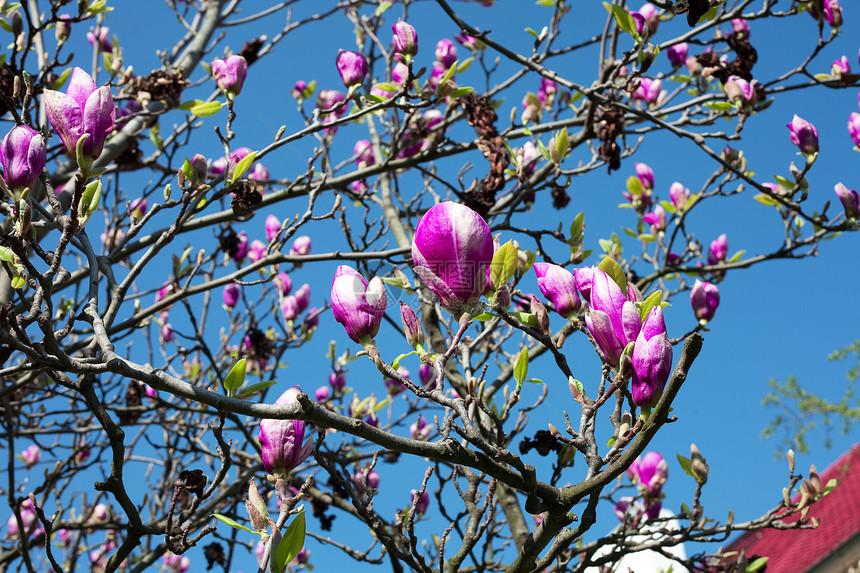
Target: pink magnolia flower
{"points": [[83, 110], [281, 440]]}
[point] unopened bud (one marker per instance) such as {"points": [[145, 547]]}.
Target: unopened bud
{"points": [[698, 465], [731, 518], [625, 363], [804, 513], [503, 296], [815, 480], [200, 168], [626, 423], [540, 313], [553, 152], [18, 88], [790, 456], [411, 326], [16, 22], [62, 29], [560, 342], [256, 508], [554, 431], [786, 498]]}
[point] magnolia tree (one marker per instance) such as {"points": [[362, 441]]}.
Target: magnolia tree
{"points": [[158, 407]]}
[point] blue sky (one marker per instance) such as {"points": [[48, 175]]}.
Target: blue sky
{"points": [[777, 319]]}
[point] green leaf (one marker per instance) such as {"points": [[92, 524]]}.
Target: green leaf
{"points": [[243, 166], [577, 226], [766, 200], [380, 405], [629, 231], [562, 144], [756, 565], [504, 264], [647, 237], [737, 256], [232, 523], [624, 20], [189, 105], [396, 363], [6, 254], [578, 384], [720, 105], [544, 150], [448, 75], [387, 87], [58, 83], [465, 65], [374, 98], [615, 272], [5, 25], [292, 542], [634, 185], [787, 183], [532, 33], [548, 3], [483, 317], [831, 485], [206, 109], [255, 388], [681, 78], [653, 300], [383, 6], [18, 281], [461, 91], [823, 77], [526, 318], [521, 369], [686, 465], [236, 377], [90, 199]]}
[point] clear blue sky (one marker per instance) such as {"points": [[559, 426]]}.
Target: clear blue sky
{"points": [[775, 320]]}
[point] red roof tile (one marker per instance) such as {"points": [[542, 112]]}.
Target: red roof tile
{"points": [[839, 514]]}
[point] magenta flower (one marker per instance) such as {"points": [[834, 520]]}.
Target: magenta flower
{"points": [[677, 54], [446, 52], [420, 430], [230, 74], [652, 360], [257, 250], [613, 320], [645, 175], [451, 252], [298, 91], [559, 286], [100, 38], [679, 195], [405, 39], [332, 100], [850, 201], [357, 304], [273, 227], [301, 246], [833, 13], [547, 90], [650, 471], [399, 74], [22, 154], [738, 90], [231, 295], [423, 502], [303, 297], [705, 298], [584, 278], [395, 387], [656, 218], [137, 208], [718, 250], [283, 283], [322, 394], [648, 90], [289, 308], [281, 440], [352, 67], [740, 27], [364, 479], [854, 128], [426, 374], [629, 511], [652, 16], [82, 110], [467, 41], [436, 74], [840, 67], [31, 455], [337, 379], [804, 135], [363, 153]]}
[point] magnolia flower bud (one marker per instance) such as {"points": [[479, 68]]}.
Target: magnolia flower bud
{"points": [[22, 154], [850, 200], [231, 295], [352, 67], [405, 39], [230, 74], [82, 110], [281, 440], [804, 135], [698, 465], [559, 286], [357, 304], [451, 251], [411, 326], [705, 298], [613, 320], [652, 360]]}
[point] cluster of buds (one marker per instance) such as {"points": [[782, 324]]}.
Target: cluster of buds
{"points": [[649, 473]]}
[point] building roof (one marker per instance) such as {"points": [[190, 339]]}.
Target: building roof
{"points": [[795, 551]]}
